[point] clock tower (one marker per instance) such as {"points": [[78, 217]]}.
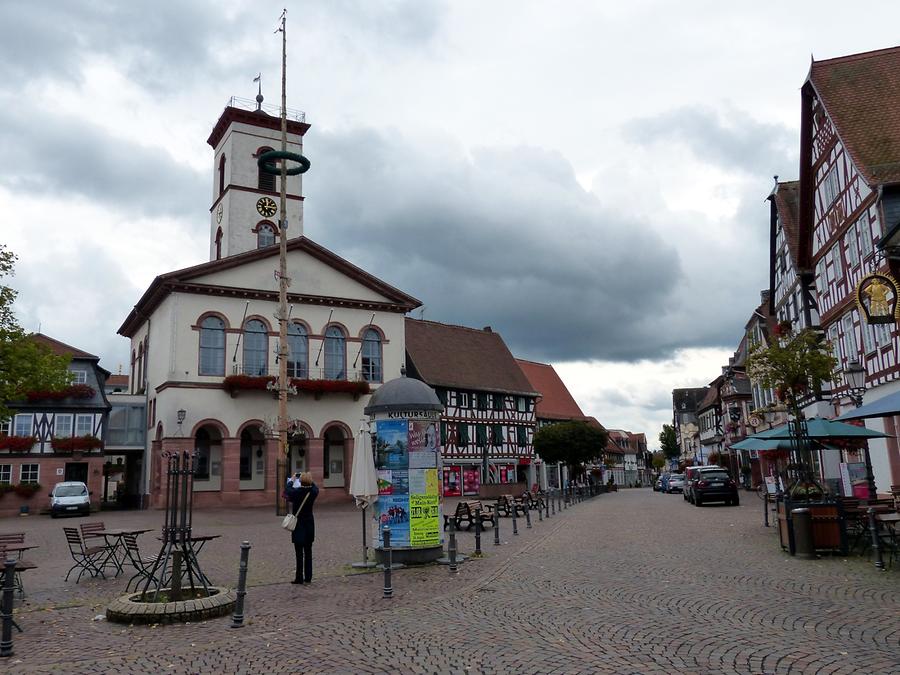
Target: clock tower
{"points": [[244, 213]]}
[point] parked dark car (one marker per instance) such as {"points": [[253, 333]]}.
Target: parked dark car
{"points": [[691, 475], [715, 486]]}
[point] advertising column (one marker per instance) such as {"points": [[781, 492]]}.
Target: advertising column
{"points": [[407, 460]]}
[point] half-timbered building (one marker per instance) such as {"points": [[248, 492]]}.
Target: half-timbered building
{"points": [[849, 212], [56, 436], [488, 425], [685, 404]]}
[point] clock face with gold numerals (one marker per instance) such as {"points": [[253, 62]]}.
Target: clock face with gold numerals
{"points": [[266, 207]]}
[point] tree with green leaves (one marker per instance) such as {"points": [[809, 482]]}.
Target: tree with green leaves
{"points": [[668, 443], [659, 461], [25, 365], [572, 443]]}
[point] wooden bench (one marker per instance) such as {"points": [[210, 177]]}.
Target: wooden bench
{"points": [[466, 512]]}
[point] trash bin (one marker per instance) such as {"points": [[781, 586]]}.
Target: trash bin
{"points": [[803, 534]]}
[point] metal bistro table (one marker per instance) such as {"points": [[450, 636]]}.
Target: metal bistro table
{"points": [[115, 542]]}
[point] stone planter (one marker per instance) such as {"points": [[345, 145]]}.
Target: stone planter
{"points": [[131, 610]]}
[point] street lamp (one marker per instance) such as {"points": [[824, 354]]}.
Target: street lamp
{"points": [[855, 377], [181, 414]]}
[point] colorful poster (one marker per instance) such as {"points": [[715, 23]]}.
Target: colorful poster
{"points": [[424, 525], [452, 481], [423, 436], [393, 512], [431, 482], [385, 484], [471, 480], [400, 482], [391, 444]]}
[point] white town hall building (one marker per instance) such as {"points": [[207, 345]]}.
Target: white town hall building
{"points": [[204, 339]]}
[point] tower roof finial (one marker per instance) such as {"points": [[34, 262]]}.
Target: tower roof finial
{"points": [[259, 96]]}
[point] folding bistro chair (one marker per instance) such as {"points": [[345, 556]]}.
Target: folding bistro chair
{"points": [[143, 565], [21, 566], [87, 558]]}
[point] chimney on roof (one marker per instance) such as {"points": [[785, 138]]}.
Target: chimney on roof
{"points": [[487, 329]]}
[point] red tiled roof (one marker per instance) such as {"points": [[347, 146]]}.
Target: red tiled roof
{"points": [[117, 381], [466, 358], [787, 203], [60, 348], [861, 94], [556, 401]]}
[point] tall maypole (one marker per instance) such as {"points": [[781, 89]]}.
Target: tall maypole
{"points": [[267, 162]]}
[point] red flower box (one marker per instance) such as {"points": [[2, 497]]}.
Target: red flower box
{"points": [[17, 443], [235, 383], [81, 391], [79, 443], [357, 388]]}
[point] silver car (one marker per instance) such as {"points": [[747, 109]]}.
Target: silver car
{"points": [[676, 483]]}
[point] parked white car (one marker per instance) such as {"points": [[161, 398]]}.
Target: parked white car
{"points": [[70, 497], [676, 482]]}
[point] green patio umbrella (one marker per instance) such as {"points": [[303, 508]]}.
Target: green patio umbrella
{"points": [[819, 427], [753, 443]]}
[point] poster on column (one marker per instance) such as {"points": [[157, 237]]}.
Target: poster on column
{"points": [[391, 444], [393, 512]]}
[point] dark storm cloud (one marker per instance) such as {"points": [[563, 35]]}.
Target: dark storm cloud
{"points": [[735, 141], [65, 156], [156, 44], [506, 238]]}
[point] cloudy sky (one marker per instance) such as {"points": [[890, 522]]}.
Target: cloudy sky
{"points": [[586, 177]]}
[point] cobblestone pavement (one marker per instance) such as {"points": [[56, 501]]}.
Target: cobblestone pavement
{"points": [[632, 582]]}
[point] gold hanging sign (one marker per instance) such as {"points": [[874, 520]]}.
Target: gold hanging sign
{"points": [[877, 295]]}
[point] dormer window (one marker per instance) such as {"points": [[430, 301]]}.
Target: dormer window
{"points": [[265, 181]]}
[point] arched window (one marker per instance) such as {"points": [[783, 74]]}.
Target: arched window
{"points": [[335, 354], [256, 347], [298, 351], [140, 368], [219, 244], [201, 447], [212, 346], [266, 181], [371, 356], [221, 175], [265, 235]]}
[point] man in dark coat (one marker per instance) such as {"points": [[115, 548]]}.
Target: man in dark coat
{"points": [[300, 488]]}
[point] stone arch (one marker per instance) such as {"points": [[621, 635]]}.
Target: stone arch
{"points": [[337, 424], [210, 421]]}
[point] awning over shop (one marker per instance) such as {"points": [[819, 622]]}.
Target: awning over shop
{"points": [[887, 405]]}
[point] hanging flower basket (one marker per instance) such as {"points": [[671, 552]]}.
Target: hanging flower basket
{"points": [[78, 443], [17, 443], [79, 391]]}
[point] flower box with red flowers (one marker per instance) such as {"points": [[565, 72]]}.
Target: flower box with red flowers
{"points": [[319, 387], [76, 444], [26, 490], [235, 383], [17, 443], [79, 391]]}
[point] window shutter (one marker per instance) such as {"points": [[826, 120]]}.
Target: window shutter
{"points": [[442, 396], [497, 432], [482, 401], [521, 437], [499, 400], [463, 430], [480, 435], [443, 433]]}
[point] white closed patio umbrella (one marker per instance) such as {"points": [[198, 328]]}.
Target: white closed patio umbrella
{"points": [[363, 482]]}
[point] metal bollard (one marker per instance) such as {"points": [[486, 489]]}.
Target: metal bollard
{"points": [[876, 540], [237, 619], [552, 504], [6, 608], [496, 529], [527, 517], [451, 551], [540, 510], [478, 533], [388, 561], [515, 524], [766, 508]]}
